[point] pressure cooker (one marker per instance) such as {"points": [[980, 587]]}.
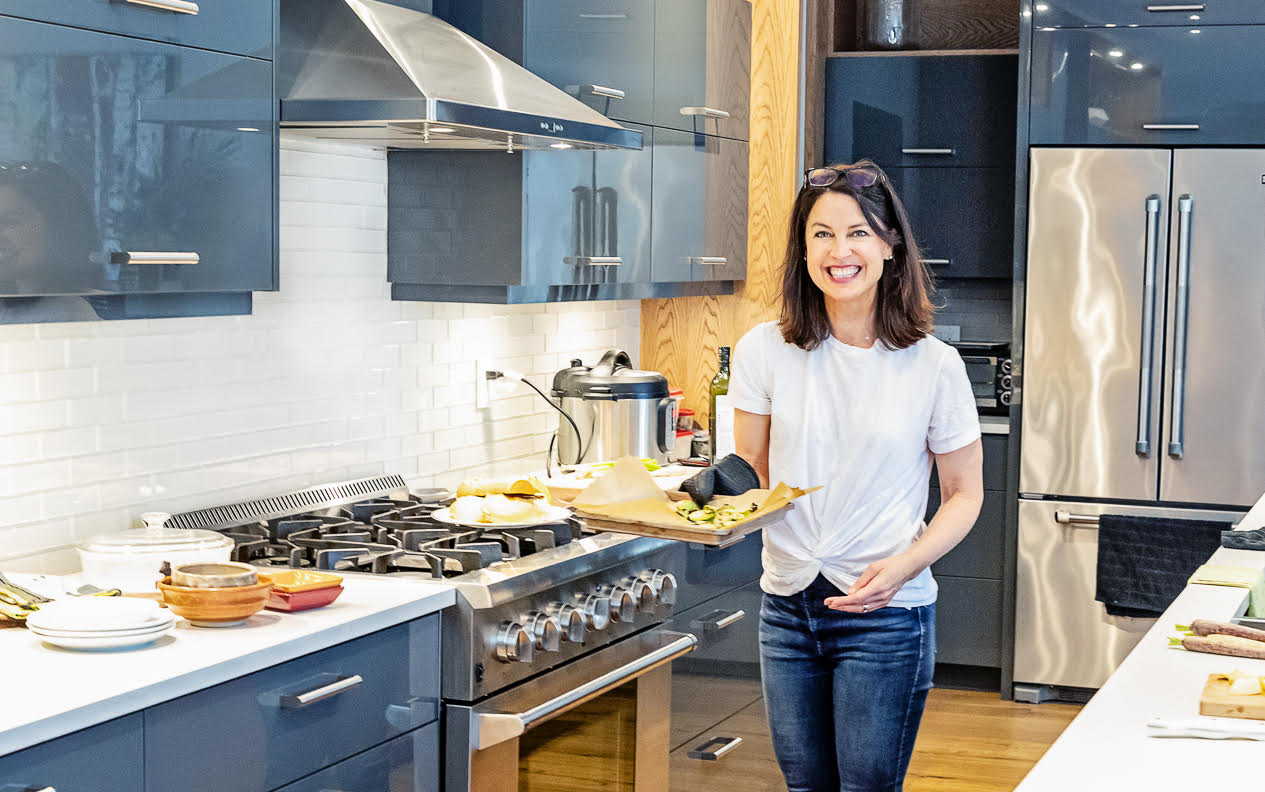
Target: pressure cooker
{"points": [[617, 410]]}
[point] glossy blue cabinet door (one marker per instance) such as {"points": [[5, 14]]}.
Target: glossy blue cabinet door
{"points": [[109, 756], [586, 215], [1178, 86], [963, 218], [700, 207], [587, 46], [702, 66], [240, 26], [1098, 13], [409, 763], [928, 111], [126, 160]]}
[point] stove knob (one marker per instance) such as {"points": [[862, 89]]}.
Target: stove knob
{"points": [[570, 619], [596, 610], [663, 583], [642, 592], [513, 643], [623, 605], [545, 629]]}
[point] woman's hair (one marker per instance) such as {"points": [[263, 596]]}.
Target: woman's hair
{"points": [[903, 309]]}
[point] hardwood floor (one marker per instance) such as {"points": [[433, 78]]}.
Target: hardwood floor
{"points": [[969, 742]]}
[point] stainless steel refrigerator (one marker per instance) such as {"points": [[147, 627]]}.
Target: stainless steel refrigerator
{"points": [[1143, 375]]}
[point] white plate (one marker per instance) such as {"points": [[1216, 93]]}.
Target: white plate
{"points": [[554, 514], [93, 614], [106, 642], [167, 622]]}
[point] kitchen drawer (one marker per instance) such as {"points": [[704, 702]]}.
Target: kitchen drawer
{"points": [[78, 762], [1097, 13], [933, 111], [699, 218], [239, 26], [131, 147], [995, 449], [980, 554], [712, 571], [409, 763], [968, 621], [727, 639], [1115, 86], [251, 734], [963, 218], [702, 66]]}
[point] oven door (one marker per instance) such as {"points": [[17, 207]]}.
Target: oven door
{"points": [[598, 724]]}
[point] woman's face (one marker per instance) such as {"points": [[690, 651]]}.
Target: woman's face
{"points": [[844, 255]]}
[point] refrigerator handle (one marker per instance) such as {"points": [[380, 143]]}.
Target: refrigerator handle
{"points": [[1143, 445], [1184, 206]]}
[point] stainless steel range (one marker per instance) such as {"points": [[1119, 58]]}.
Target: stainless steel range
{"points": [[550, 619]]}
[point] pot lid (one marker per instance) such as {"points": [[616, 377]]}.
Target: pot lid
{"points": [[154, 538], [611, 379]]}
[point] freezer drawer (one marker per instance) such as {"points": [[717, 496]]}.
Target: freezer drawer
{"points": [[1063, 636]]}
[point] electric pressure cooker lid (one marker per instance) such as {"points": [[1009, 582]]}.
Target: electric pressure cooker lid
{"points": [[154, 538], [612, 378]]}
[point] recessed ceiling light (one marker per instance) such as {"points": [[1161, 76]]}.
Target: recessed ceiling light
{"points": [[1196, 31], [1194, 17], [1116, 53], [560, 145], [1111, 24], [1135, 66], [441, 129]]}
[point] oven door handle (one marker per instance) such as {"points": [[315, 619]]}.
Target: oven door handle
{"points": [[491, 728]]}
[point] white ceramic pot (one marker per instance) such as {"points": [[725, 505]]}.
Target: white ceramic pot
{"points": [[130, 560]]}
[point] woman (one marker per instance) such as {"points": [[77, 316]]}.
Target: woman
{"points": [[849, 390]]}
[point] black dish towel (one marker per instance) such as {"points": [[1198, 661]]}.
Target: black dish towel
{"points": [[1144, 562]]}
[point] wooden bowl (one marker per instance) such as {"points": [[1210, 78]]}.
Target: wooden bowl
{"points": [[215, 607]]}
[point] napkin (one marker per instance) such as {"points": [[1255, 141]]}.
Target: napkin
{"points": [[1243, 577]]}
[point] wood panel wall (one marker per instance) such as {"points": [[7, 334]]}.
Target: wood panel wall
{"points": [[680, 336]]}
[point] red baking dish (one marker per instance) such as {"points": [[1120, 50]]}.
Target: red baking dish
{"points": [[303, 600]]}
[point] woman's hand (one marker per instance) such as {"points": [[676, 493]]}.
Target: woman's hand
{"points": [[877, 585]]}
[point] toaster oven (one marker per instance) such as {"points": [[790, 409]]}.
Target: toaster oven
{"points": [[989, 368]]}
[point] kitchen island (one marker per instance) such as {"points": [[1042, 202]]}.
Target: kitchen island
{"points": [[52, 692], [1107, 746]]}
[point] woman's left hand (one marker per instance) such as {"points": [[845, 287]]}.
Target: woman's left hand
{"points": [[877, 585]]}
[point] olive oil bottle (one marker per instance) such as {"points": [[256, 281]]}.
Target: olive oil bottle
{"points": [[721, 415]]}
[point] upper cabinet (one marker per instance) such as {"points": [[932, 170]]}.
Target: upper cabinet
{"points": [[131, 166], [702, 66], [1123, 13]]}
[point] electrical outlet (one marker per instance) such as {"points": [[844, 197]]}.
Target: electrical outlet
{"points": [[482, 386]]}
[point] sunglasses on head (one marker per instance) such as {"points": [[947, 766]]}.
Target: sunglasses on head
{"points": [[857, 176]]}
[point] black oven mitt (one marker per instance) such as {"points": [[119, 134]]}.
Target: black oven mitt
{"points": [[730, 476]]}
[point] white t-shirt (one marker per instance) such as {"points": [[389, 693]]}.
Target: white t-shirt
{"points": [[862, 423]]}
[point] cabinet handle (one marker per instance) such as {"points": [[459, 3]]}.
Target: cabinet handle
{"points": [[711, 261], [175, 6], [1083, 520], [726, 744], [1172, 127], [1142, 447], [603, 16], [1163, 8], [152, 257], [325, 691], [602, 90], [947, 152], [937, 262], [717, 620], [1184, 206], [708, 112], [595, 261]]}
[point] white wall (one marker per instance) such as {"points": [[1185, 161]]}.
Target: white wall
{"points": [[327, 380]]}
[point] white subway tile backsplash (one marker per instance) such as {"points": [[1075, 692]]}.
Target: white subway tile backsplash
{"points": [[328, 380]]}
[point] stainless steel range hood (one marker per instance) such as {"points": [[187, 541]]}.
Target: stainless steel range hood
{"points": [[378, 73]]}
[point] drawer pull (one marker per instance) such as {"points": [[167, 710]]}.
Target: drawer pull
{"points": [[707, 752], [937, 262], [1067, 518], [604, 16], [153, 257], [595, 261], [602, 90], [175, 6], [1173, 127], [717, 620], [710, 261], [707, 112], [946, 152], [325, 691], [1163, 8]]}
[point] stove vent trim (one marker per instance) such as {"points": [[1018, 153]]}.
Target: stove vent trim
{"points": [[323, 496]]}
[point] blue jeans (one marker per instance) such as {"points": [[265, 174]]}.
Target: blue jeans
{"points": [[844, 691]]}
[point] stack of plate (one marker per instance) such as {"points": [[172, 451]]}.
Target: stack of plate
{"points": [[90, 623]]}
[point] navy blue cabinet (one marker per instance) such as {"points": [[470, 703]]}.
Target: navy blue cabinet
{"points": [[1188, 85], [107, 756], [924, 111], [409, 763], [702, 66], [1122, 13], [963, 218], [244, 27], [699, 226]]}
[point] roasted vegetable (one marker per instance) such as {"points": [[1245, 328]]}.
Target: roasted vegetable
{"points": [[721, 516]]}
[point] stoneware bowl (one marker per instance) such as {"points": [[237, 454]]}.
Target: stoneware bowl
{"points": [[214, 575], [215, 607]]}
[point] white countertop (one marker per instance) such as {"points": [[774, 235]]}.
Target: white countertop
{"points": [[1107, 747], [50, 692]]}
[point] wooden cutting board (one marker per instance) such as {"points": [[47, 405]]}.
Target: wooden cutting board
{"points": [[1216, 700]]}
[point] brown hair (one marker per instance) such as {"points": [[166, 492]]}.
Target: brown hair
{"points": [[903, 309]]}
